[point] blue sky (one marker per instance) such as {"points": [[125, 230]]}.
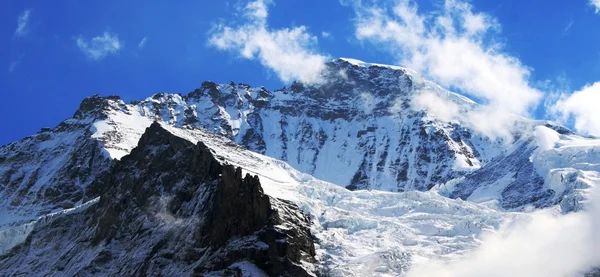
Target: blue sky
{"points": [[544, 56]]}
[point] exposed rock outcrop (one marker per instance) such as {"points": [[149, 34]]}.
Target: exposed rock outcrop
{"points": [[171, 208]]}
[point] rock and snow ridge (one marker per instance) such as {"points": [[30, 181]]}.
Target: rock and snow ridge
{"points": [[359, 129], [169, 208]]}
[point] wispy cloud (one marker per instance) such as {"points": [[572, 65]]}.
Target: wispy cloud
{"points": [[453, 47], [142, 43], [325, 34], [596, 5], [99, 47], [569, 25], [22, 23], [290, 52]]}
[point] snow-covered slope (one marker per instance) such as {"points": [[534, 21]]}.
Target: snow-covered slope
{"points": [[551, 166], [358, 233], [364, 233], [359, 129], [50, 170]]}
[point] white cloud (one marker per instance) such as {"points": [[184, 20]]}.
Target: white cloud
{"points": [[442, 108], [289, 52], [538, 244], [452, 47], [99, 47], [583, 107], [596, 4], [142, 43], [22, 23], [325, 34], [493, 123]]}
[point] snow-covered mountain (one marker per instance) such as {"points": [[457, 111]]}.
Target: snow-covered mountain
{"points": [[433, 186], [356, 129], [360, 129]]}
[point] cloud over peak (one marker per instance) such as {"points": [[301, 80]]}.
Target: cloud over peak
{"points": [[289, 52], [455, 47], [450, 47], [99, 47]]}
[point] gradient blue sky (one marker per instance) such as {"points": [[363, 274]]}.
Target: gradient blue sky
{"points": [[48, 60]]}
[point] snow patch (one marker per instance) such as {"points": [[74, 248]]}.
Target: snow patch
{"points": [[120, 132]]}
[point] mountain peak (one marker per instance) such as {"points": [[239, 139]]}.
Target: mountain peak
{"points": [[360, 63], [97, 105]]}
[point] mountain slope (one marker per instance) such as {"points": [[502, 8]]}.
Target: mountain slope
{"points": [[50, 170], [170, 208], [546, 168], [360, 233]]}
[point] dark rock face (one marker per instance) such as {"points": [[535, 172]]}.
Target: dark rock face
{"points": [[560, 129], [169, 208], [95, 105], [239, 206]]}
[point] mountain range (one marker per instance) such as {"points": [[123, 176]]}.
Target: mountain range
{"points": [[349, 176]]}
